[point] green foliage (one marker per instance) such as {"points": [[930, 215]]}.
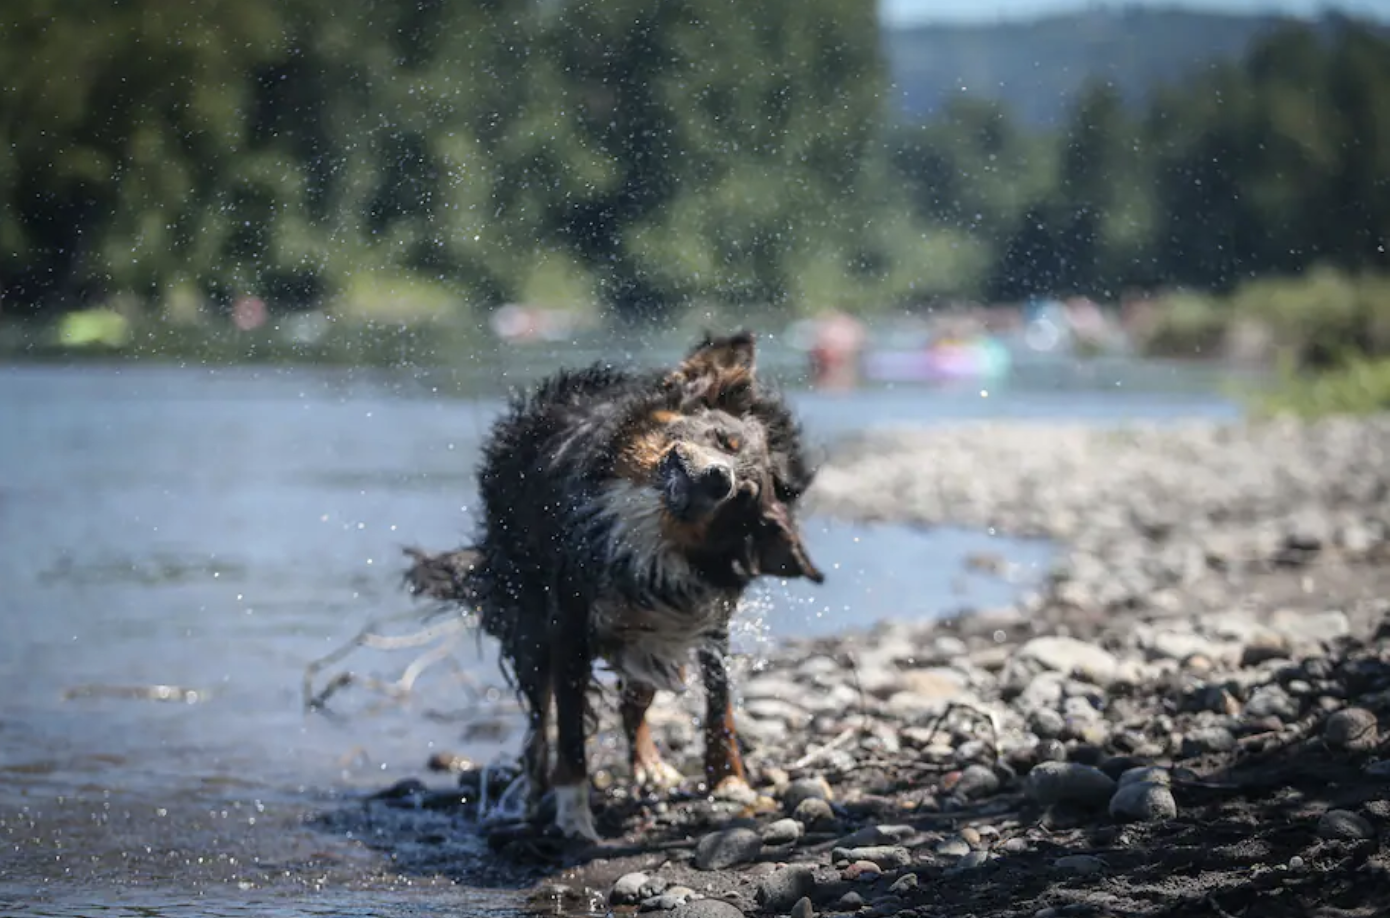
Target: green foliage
{"points": [[1322, 319], [1361, 386], [415, 162], [1187, 325]]}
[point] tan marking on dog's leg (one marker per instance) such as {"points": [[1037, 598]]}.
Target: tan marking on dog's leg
{"points": [[722, 760], [649, 770]]}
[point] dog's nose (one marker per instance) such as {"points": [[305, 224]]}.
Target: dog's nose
{"points": [[716, 483]]}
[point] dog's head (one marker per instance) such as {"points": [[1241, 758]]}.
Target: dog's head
{"points": [[715, 480], [712, 464]]}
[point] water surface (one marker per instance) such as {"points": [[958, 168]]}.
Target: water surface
{"points": [[215, 530]]}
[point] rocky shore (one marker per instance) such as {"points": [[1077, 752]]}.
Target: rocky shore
{"points": [[1184, 720]]}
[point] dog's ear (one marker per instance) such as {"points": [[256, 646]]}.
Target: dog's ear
{"points": [[719, 373], [778, 549], [738, 350]]}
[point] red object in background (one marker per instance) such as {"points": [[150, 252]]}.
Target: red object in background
{"points": [[834, 353], [249, 312]]}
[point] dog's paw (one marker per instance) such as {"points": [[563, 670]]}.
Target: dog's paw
{"points": [[734, 790], [573, 817], [737, 790], [656, 775]]}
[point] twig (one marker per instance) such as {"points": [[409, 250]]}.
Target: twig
{"points": [[987, 715], [370, 636], [816, 755]]}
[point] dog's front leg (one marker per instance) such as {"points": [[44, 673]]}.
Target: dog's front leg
{"points": [[723, 764], [649, 770], [573, 670]]}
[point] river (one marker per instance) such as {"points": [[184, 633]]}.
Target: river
{"points": [[216, 529]]}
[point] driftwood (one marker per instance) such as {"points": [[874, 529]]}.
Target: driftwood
{"points": [[442, 577]]}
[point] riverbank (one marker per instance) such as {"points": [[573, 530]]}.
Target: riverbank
{"points": [[1183, 721]]}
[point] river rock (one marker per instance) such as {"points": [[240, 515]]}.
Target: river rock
{"points": [[804, 789], [1271, 701], [780, 890], [814, 813], [782, 832], [976, 781], [707, 908], [726, 848], [876, 835], [1345, 825], [628, 889], [1070, 657], [1067, 782], [1084, 864], [1143, 801], [888, 857], [1352, 728]]}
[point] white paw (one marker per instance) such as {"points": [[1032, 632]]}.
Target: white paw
{"points": [[572, 814], [735, 790], [657, 775]]}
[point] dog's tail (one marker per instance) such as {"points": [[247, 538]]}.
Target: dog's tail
{"points": [[447, 576]]}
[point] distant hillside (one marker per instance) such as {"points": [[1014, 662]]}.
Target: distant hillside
{"points": [[1037, 66]]}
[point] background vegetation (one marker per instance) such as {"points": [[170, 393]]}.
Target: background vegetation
{"points": [[402, 160]]}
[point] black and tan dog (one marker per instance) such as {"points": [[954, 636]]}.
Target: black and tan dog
{"points": [[624, 515]]}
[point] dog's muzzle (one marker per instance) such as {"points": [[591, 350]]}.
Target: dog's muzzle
{"points": [[694, 485]]}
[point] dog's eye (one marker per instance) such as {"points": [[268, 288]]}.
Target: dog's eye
{"points": [[729, 442]]}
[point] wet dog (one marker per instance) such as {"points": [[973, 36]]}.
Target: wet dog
{"points": [[623, 517]]}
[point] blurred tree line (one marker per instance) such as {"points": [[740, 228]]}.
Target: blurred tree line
{"points": [[404, 155]]}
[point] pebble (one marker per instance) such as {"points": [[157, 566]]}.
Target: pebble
{"points": [[804, 789], [782, 832], [1143, 801], [674, 897], [954, 846], [1067, 782], [1046, 723], [803, 908], [1084, 864], [971, 861], [887, 857], [627, 889], [976, 781], [876, 835], [781, 889], [727, 847], [1345, 825], [1271, 701], [851, 902], [1354, 729], [1151, 774], [707, 908], [863, 871], [814, 813], [904, 883], [1069, 656], [1207, 739]]}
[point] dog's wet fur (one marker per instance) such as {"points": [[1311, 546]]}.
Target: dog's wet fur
{"points": [[623, 516]]}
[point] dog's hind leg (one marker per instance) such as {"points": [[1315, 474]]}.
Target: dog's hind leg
{"points": [[573, 672], [723, 764], [648, 768], [523, 797]]}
